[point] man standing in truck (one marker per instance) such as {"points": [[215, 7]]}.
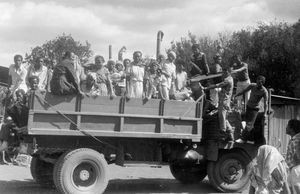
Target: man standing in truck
{"points": [[199, 62], [224, 103], [242, 76]]}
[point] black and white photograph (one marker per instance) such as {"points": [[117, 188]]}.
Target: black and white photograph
{"points": [[141, 96]]}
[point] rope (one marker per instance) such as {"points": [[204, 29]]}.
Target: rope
{"points": [[189, 109], [80, 130]]}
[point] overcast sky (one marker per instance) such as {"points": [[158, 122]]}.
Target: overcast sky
{"points": [[132, 23]]}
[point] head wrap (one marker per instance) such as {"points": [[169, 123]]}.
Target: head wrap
{"points": [[173, 54], [268, 158]]}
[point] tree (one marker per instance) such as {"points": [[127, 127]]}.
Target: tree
{"points": [[272, 50], [54, 49]]}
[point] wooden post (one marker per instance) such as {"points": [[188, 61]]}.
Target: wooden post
{"points": [[110, 52], [160, 35], [266, 129], [120, 155]]}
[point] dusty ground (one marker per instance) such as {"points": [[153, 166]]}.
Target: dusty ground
{"points": [[15, 180]]}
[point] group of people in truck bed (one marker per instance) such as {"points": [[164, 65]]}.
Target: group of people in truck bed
{"points": [[165, 78]]}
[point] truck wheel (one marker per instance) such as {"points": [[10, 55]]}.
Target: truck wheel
{"points": [[230, 172], [81, 171], [188, 173], [42, 172]]}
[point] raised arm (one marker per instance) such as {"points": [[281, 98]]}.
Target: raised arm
{"points": [[219, 85], [205, 65]]}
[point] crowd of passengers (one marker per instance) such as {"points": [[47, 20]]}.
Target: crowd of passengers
{"points": [[166, 78]]}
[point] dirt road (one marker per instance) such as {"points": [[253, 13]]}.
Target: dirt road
{"points": [[18, 180]]}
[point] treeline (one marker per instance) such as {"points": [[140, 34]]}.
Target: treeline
{"points": [[272, 50]]}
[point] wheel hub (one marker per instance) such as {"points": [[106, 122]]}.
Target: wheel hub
{"points": [[231, 171], [84, 175]]}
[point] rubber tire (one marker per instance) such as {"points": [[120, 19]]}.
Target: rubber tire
{"points": [[42, 172], [215, 175], [188, 174], [65, 167]]}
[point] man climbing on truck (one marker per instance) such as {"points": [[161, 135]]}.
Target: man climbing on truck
{"points": [[258, 91], [224, 103]]}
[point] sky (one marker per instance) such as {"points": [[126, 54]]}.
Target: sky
{"points": [[25, 24]]}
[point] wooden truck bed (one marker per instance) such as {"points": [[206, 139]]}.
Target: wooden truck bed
{"points": [[117, 117]]}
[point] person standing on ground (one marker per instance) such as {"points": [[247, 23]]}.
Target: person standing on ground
{"points": [[240, 69], [17, 75], [19, 118], [269, 172], [224, 103], [293, 154], [258, 91], [136, 73]]}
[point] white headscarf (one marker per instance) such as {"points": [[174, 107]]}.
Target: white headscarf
{"points": [[266, 161]]}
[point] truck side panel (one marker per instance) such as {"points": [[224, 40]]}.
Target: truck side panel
{"points": [[103, 116]]}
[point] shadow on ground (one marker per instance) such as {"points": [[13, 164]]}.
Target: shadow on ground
{"points": [[140, 185]]}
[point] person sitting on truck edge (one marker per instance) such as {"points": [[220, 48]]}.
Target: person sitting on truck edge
{"points": [[258, 91], [293, 154], [64, 80], [19, 115], [269, 172], [224, 103]]}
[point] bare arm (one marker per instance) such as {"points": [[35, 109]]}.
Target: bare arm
{"points": [[219, 85], [244, 91], [241, 68], [206, 68], [196, 67]]}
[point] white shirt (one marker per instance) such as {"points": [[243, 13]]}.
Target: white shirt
{"points": [[40, 73], [181, 79], [170, 69], [137, 73], [18, 77]]}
